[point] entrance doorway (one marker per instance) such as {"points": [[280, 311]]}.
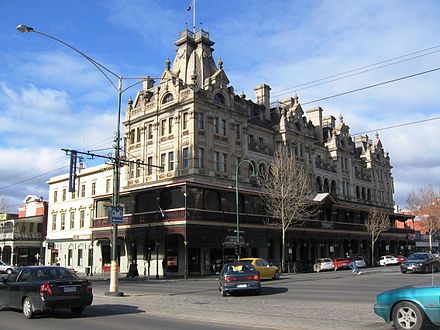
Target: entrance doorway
{"points": [[194, 261]]}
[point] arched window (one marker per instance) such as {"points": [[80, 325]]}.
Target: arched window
{"points": [[326, 185], [318, 184], [358, 193], [333, 187], [167, 98], [261, 169], [364, 196], [219, 98]]}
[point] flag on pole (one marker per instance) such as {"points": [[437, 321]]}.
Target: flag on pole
{"points": [[163, 214], [189, 7]]}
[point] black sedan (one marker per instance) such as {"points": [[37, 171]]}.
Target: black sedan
{"points": [[422, 262], [237, 277], [35, 289]]}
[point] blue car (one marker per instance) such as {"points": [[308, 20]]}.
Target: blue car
{"points": [[410, 308]]}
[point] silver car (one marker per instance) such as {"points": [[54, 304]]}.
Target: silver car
{"points": [[5, 268], [323, 264], [360, 262]]}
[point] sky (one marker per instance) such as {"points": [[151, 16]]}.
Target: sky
{"points": [[53, 98]]}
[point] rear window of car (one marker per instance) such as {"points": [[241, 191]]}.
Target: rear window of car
{"points": [[48, 274], [240, 268]]}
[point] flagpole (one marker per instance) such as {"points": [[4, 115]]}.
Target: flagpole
{"points": [[194, 16]]}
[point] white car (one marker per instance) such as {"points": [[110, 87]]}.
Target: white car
{"points": [[323, 264], [5, 268], [388, 260]]}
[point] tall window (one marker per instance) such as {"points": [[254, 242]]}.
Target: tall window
{"points": [[150, 131], [108, 185], [72, 219], [80, 257], [163, 127], [224, 160], [93, 188], [200, 121], [216, 125], [131, 170], [238, 131], [81, 218], [132, 136], [83, 190], [72, 195], [63, 221], [216, 161], [163, 163], [69, 257], [171, 161], [64, 194], [138, 135], [150, 165], [54, 222], [138, 168], [185, 120], [185, 158], [170, 125], [55, 196], [237, 168], [223, 126], [201, 158]]}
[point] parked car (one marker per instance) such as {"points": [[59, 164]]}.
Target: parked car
{"points": [[5, 268], [238, 277], [35, 289], [410, 308], [422, 262], [341, 263], [400, 259], [388, 260], [266, 270], [360, 262], [323, 264]]}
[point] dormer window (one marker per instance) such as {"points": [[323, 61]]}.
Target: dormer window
{"points": [[168, 98], [219, 98]]}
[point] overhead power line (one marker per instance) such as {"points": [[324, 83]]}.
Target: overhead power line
{"points": [[352, 71], [398, 125], [371, 86]]}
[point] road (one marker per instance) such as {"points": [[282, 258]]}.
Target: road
{"points": [[326, 300]]}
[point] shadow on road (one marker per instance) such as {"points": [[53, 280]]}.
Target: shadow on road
{"points": [[271, 290], [96, 311]]}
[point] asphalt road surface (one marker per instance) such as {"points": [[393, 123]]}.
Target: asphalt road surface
{"points": [[326, 300]]}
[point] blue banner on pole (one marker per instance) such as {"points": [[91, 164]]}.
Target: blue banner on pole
{"points": [[72, 171]]}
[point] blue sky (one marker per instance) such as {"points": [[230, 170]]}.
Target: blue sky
{"points": [[52, 98]]}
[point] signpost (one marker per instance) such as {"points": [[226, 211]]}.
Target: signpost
{"points": [[116, 214]]}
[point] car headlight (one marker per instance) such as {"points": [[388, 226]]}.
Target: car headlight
{"points": [[419, 264]]}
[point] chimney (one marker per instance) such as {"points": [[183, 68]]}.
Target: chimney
{"points": [[148, 83], [262, 93], [315, 116]]}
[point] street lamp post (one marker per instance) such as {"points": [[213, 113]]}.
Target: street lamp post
{"points": [[185, 242], [116, 169], [236, 202]]}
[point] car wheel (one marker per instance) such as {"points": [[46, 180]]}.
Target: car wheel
{"points": [[77, 310], [407, 316], [403, 271], [28, 308], [9, 271], [276, 276], [223, 292]]}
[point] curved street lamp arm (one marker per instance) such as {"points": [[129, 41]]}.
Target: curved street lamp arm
{"points": [[99, 66]]}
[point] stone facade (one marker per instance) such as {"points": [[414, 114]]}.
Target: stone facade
{"points": [[185, 136]]}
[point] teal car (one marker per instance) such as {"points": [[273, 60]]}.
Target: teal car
{"points": [[410, 308]]}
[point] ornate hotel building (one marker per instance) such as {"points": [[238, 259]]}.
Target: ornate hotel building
{"points": [[186, 135]]}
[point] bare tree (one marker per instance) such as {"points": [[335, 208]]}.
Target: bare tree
{"points": [[5, 205], [285, 191], [425, 204], [377, 223]]}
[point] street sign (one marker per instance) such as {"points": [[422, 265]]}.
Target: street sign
{"points": [[116, 214]]}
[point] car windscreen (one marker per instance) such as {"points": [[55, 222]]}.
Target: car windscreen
{"points": [[418, 256]]}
